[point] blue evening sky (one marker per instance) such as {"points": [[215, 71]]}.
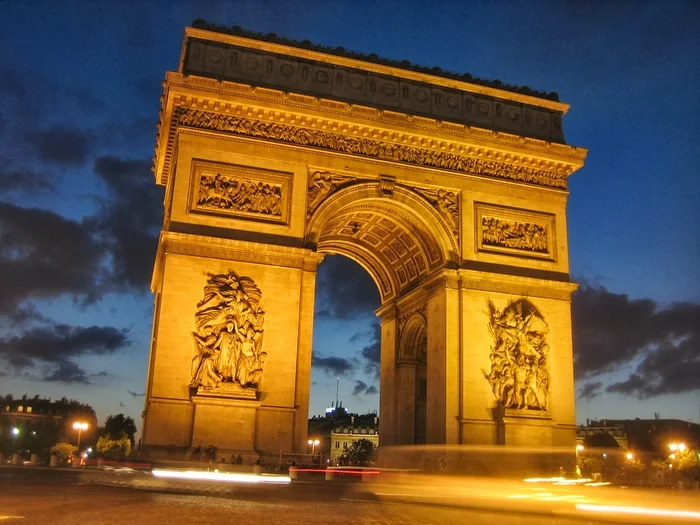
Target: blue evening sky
{"points": [[80, 81]]}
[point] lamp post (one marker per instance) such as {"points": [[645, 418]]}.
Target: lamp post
{"points": [[579, 449], [313, 443], [80, 426]]}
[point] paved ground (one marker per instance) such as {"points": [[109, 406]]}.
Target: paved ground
{"points": [[58, 498]]}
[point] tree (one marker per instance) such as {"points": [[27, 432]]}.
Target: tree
{"points": [[121, 424], [361, 452], [64, 450], [116, 447]]}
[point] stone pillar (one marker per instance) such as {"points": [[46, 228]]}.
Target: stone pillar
{"points": [[306, 333], [387, 374], [483, 421], [443, 359], [405, 384]]}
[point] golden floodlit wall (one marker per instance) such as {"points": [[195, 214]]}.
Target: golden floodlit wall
{"points": [[457, 209]]}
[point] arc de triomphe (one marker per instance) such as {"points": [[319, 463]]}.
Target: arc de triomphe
{"points": [[452, 195]]}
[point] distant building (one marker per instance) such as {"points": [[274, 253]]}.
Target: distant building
{"points": [[36, 423], [338, 429], [643, 434]]}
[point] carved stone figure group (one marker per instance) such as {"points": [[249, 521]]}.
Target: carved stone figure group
{"points": [[321, 185], [228, 335], [228, 193], [446, 203], [513, 234], [519, 377]]}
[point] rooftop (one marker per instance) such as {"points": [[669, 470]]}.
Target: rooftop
{"points": [[372, 58]]}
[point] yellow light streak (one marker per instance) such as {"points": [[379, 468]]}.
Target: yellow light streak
{"points": [[639, 510]]}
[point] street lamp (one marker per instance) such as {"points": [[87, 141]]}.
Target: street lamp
{"points": [[579, 449], [313, 443], [677, 447], [629, 456], [80, 426], [15, 431]]}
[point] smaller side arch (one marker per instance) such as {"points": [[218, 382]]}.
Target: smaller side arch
{"points": [[413, 333]]}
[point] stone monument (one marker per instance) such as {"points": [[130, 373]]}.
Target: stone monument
{"points": [[450, 193]]}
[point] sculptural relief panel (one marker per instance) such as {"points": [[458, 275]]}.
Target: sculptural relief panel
{"points": [[519, 374], [512, 231], [240, 191], [228, 336]]}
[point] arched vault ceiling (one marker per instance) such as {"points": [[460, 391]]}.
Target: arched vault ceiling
{"points": [[377, 232]]}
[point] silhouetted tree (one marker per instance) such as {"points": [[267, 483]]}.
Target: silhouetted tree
{"points": [[120, 424], [600, 440], [361, 452]]}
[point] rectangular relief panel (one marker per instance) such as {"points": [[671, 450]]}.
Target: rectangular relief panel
{"points": [[241, 192], [512, 231]]}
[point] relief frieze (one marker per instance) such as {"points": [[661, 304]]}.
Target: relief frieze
{"points": [[447, 203], [228, 336], [219, 192], [209, 120], [511, 231], [321, 185], [240, 191], [519, 375], [505, 233]]}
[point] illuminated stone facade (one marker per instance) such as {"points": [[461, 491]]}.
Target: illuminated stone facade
{"points": [[451, 195]]}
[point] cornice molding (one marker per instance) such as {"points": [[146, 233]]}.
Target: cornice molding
{"points": [[515, 285], [232, 250], [185, 85], [309, 136]]}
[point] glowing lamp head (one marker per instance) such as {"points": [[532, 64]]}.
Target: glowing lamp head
{"points": [[15, 431], [80, 425], [316, 442], [579, 447]]}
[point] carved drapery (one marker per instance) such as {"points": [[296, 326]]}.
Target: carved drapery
{"points": [[519, 375], [209, 120], [321, 185], [228, 334], [526, 236], [222, 192], [447, 203]]}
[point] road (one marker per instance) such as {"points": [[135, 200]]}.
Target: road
{"points": [[57, 498]]}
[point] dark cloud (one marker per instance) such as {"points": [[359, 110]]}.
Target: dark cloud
{"points": [[370, 352], [590, 390], [671, 368], [63, 146], [43, 254], [13, 180], [26, 314], [359, 388], [130, 219], [55, 347], [345, 290], [337, 366], [372, 390], [136, 394], [611, 330]]}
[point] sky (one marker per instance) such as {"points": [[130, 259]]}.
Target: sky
{"points": [[80, 213]]}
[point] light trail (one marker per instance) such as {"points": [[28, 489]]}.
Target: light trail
{"points": [[229, 477]]}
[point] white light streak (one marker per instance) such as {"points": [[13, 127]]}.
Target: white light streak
{"points": [[229, 477]]}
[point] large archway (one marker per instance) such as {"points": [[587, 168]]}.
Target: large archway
{"points": [[452, 196], [401, 241]]}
